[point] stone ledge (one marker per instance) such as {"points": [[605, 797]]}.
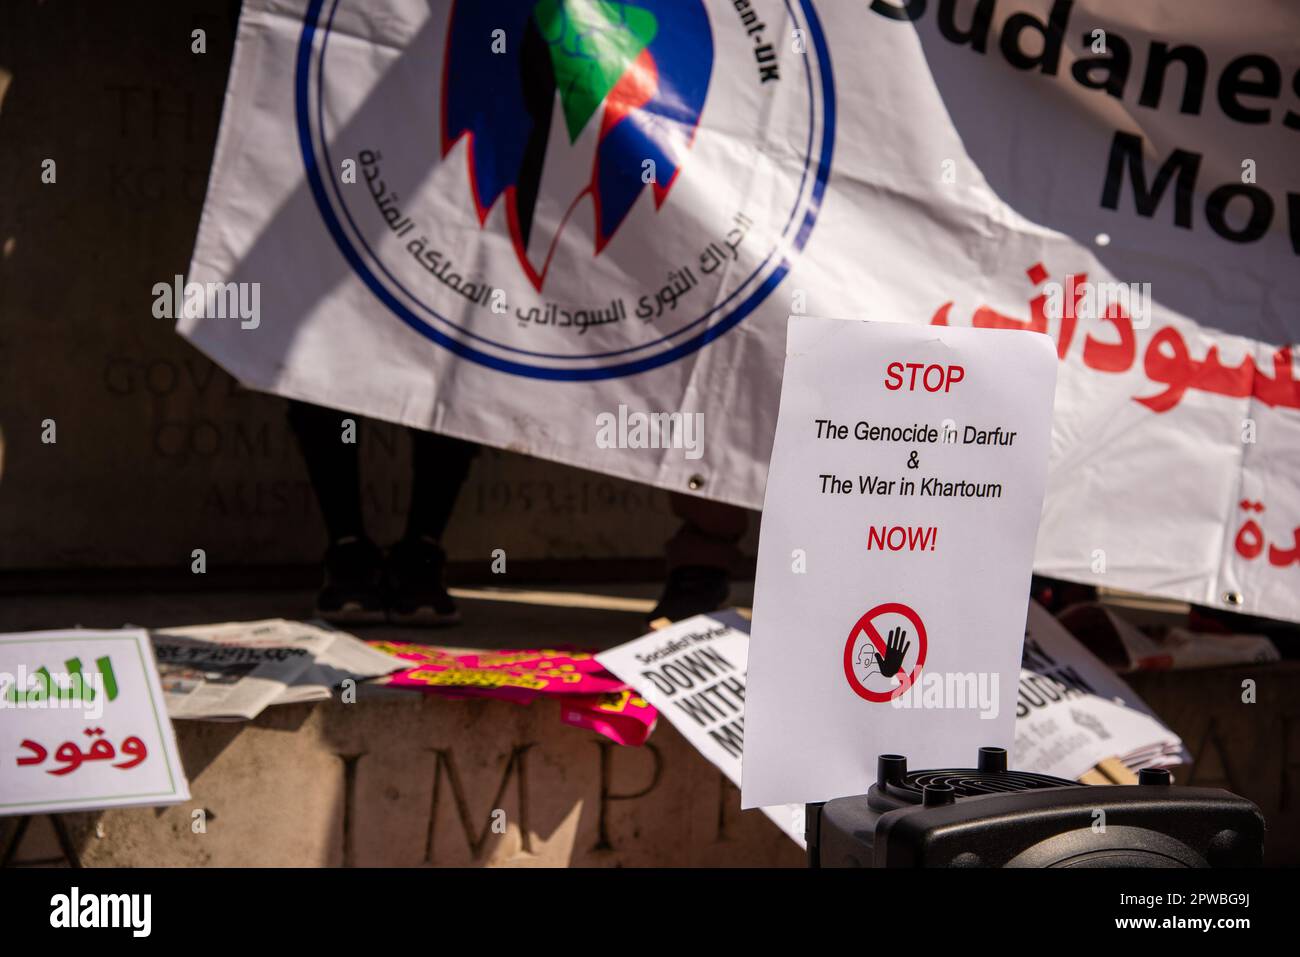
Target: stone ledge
{"points": [[404, 780], [332, 784]]}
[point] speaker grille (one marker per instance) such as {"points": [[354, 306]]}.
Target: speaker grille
{"points": [[968, 782]]}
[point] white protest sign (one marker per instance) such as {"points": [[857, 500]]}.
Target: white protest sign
{"points": [[1064, 731], [1073, 711], [693, 672], [894, 559], [82, 724]]}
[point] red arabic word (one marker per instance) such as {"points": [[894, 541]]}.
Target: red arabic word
{"points": [[1166, 361], [72, 757], [1249, 542]]}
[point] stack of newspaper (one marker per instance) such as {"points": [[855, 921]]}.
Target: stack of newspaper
{"points": [[1073, 711], [233, 671]]}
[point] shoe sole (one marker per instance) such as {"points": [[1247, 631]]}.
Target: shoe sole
{"points": [[353, 614], [424, 617]]}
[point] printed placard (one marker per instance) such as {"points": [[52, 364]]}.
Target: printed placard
{"points": [[898, 532], [83, 725], [1072, 711], [693, 672]]}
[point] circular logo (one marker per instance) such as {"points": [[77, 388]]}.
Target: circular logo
{"points": [[565, 189], [885, 652]]}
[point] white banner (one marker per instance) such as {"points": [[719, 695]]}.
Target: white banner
{"points": [[536, 223]]}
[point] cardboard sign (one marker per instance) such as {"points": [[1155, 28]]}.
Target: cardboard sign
{"points": [[83, 725], [894, 560], [693, 672]]}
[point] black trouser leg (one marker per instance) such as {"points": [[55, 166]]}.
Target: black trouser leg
{"points": [[334, 466], [439, 465]]}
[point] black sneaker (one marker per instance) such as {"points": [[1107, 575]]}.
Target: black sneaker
{"points": [[354, 582], [692, 590], [416, 595]]}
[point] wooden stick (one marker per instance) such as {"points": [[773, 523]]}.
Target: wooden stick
{"points": [[1108, 771]]}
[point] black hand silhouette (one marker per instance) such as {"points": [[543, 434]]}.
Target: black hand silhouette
{"points": [[895, 648]]}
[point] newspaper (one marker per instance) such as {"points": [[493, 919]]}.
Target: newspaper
{"points": [[1073, 711], [346, 657], [233, 671]]}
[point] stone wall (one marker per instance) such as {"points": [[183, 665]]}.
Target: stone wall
{"points": [[158, 451], [410, 781], [1252, 749]]}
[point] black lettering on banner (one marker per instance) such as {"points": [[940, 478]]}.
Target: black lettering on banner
{"points": [[1126, 153], [909, 10], [1233, 85], [1116, 63], [1245, 90], [977, 34], [1052, 32], [1159, 58], [1261, 212]]}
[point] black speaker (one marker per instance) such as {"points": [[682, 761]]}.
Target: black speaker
{"points": [[988, 816]]}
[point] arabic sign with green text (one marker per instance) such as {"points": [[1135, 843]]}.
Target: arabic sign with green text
{"points": [[83, 724]]}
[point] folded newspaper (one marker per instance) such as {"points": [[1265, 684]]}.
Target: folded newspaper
{"points": [[233, 671], [1073, 711]]}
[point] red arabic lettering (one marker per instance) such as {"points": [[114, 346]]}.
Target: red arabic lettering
{"points": [[1112, 356], [1249, 548], [1279, 558], [1167, 360], [1249, 542], [72, 757]]}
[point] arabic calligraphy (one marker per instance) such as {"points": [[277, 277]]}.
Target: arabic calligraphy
{"points": [[385, 201], [76, 687], [682, 281], [1167, 361], [714, 255], [552, 314], [442, 269], [71, 757], [1250, 544], [438, 264], [433, 261]]}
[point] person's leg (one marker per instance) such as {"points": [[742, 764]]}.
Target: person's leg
{"points": [[334, 467], [353, 589], [701, 556], [439, 466]]}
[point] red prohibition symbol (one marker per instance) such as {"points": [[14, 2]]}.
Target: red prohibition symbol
{"points": [[867, 624]]}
